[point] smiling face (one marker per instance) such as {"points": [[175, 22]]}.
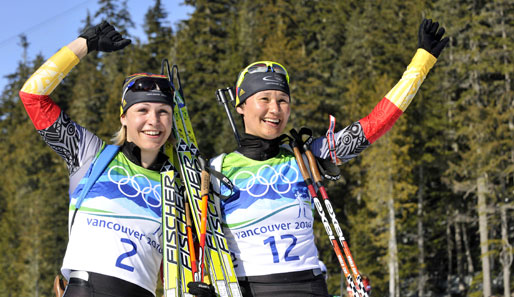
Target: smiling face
{"points": [[148, 125], [266, 113]]}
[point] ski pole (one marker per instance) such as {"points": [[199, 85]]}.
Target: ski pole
{"points": [[190, 241], [317, 180], [204, 192], [305, 174], [222, 99]]}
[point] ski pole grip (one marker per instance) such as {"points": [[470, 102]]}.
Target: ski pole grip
{"points": [[221, 97], [232, 96], [301, 164], [314, 166], [223, 100], [188, 214], [205, 177], [204, 187], [295, 144]]}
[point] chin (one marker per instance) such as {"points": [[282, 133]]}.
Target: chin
{"points": [[153, 147], [270, 137]]}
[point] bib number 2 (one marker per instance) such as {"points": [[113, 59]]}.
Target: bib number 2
{"points": [[274, 251], [126, 255]]}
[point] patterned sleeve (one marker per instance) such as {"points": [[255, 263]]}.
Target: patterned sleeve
{"points": [[352, 140], [76, 145]]}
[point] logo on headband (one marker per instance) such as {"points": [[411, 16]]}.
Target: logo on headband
{"points": [[272, 79]]}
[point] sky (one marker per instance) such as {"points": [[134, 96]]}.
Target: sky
{"points": [[51, 24]]}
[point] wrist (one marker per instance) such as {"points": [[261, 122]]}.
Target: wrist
{"points": [[78, 47], [423, 60]]}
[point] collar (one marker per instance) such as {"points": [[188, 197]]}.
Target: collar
{"points": [[133, 153], [259, 149]]}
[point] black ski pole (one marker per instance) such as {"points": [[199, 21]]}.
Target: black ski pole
{"points": [[222, 99]]}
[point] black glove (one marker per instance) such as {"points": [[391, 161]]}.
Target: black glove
{"points": [[328, 169], [429, 38], [104, 38], [201, 289]]}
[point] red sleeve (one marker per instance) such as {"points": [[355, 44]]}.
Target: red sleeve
{"points": [[380, 120], [41, 109]]}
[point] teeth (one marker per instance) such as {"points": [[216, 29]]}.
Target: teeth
{"points": [[153, 133], [271, 120]]}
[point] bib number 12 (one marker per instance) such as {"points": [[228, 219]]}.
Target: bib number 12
{"points": [[274, 251]]}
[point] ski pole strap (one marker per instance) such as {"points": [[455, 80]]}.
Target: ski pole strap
{"points": [[331, 139], [224, 180], [217, 175], [327, 169]]}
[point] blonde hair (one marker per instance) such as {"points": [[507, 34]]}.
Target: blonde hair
{"points": [[120, 136]]}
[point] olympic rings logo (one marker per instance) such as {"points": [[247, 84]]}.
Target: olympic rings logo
{"points": [[132, 182], [259, 179]]}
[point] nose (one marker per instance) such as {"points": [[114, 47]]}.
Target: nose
{"points": [[273, 106], [153, 117]]}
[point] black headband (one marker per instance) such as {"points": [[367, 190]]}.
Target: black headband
{"points": [[261, 81], [158, 89]]}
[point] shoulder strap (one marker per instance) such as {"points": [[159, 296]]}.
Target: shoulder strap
{"points": [[216, 164], [105, 157]]}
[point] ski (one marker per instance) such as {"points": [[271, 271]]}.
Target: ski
{"points": [[217, 256], [170, 255]]}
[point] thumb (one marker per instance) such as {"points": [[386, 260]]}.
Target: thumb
{"points": [[122, 43], [440, 46]]}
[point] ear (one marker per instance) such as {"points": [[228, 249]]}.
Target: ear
{"points": [[240, 109], [123, 119]]}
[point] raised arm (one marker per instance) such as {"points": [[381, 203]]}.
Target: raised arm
{"points": [[59, 132], [353, 139]]}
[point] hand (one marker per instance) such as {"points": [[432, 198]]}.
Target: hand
{"points": [[201, 289], [328, 169], [104, 38], [429, 38]]}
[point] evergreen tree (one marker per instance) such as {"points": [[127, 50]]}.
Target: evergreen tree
{"points": [[202, 55], [116, 13], [88, 89], [159, 35], [480, 144], [114, 67], [35, 193]]}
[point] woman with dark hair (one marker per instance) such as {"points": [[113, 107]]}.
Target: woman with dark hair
{"points": [[268, 217]]}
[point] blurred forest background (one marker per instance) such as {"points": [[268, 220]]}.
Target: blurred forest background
{"points": [[427, 209]]}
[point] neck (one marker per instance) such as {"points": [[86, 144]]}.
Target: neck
{"points": [[147, 158], [257, 148]]}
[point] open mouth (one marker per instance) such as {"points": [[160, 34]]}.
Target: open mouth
{"points": [[274, 122], [152, 133]]}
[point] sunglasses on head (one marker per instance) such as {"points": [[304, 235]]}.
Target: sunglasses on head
{"points": [[148, 83], [263, 66]]}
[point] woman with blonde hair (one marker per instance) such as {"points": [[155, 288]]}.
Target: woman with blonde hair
{"points": [[115, 231]]}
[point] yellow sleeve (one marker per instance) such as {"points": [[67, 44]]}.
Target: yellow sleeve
{"points": [[403, 92], [51, 73]]}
